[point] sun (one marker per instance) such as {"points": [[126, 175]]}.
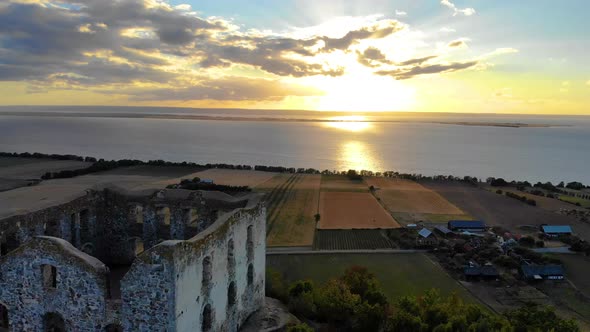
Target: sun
{"points": [[361, 92]]}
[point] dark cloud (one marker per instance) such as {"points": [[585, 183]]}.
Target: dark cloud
{"points": [[417, 61], [352, 37], [229, 88], [457, 43], [403, 73], [372, 57]]}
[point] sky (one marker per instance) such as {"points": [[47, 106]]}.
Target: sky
{"points": [[469, 56]]}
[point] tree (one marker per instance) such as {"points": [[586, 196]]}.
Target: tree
{"points": [[533, 317], [301, 298], [299, 328], [336, 303]]}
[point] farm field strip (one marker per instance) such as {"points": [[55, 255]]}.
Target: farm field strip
{"points": [[353, 210], [291, 209], [279, 198], [411, 202], [351, 239]]}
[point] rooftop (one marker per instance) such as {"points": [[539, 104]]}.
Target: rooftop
{"points": [[466, 224], [560, 229]]}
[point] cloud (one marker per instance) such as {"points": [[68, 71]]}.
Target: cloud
{"points": [[400, 13], [372, 57], [150, 50], [456, 11], [226, 89], [447, 30], [403, 74], [459, 43]]}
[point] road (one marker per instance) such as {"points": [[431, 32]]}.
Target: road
{"points": [[310, 251]]}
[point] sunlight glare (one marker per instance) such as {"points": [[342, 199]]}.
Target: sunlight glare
{"points": [[358, 156], [354, 123]]}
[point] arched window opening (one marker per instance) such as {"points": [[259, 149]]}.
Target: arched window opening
{"points": [[53, 322], [49, 273], [113, 328], [249, 234], [250, 274], [230, 253], [139, 214], [207, 319], [207, 271], [4, 323], [250, 244], [231, 294]]}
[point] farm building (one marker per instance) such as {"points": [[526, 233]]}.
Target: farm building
{"points": [[557, 230], [542, 272], [486, 272], [466, 226], [442, 230], [426, 238]]}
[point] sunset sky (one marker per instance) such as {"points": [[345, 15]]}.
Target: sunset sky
{"points": [[501, 56]]}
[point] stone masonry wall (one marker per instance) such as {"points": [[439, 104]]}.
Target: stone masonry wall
{"points": [[78, 296]]}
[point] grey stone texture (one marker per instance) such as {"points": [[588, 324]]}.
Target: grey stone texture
{"points": [[201, 265]]}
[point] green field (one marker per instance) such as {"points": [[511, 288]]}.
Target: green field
{"points": [[583, 202], [400, 274]]}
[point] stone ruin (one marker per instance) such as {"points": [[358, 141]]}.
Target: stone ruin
{"points": [[169, 260]]}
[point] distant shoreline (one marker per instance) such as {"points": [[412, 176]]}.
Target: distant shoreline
{"points": [[267, 119]]}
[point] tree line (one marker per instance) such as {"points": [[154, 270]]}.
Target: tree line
{"points": [[100, 165], [355, 301]]}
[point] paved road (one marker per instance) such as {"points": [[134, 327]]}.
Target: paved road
{"points": [[309, 251]]}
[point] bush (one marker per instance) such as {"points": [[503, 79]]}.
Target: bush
{"points": [[499, 192]]}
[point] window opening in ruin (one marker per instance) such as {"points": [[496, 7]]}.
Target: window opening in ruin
{"points": [[3, 246], [53, 322], [165, 213], [230, 252], [207, 321], [49, 276], [52, 228], [84, 225], [249, 234], [113, 328], [139, 214], [250, 274], [206, 271], [249, 244], [4, 324], [114, 277], [74, 226], [231, 294], [138, 246]]}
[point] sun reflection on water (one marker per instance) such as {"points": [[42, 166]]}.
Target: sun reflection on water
{"points": [[352, 123], [358, 156]]}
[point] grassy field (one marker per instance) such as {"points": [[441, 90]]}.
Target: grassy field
{"points": [[342, 183], [400, 274], [234, 177], [292, 202], [353, 210], [583, 202]]}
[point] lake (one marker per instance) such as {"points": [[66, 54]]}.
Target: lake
{"points": [[526, 153]]}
